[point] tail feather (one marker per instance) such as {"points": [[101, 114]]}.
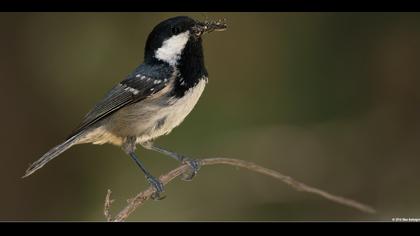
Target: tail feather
{"points": [[51, 154]]}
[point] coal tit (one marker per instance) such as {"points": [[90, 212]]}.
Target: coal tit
{"points": [[152, 100]]}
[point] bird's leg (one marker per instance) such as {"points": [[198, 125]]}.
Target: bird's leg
{"points": [[129, 148], [153, 181], [193, 163]]}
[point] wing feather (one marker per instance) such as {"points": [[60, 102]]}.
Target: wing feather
{"points": [[135, 88]]}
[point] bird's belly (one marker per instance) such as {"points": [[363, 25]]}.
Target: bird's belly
{"points": [[152, 118], [169, 117]]}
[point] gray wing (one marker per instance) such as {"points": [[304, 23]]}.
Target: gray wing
{"points": [[137, 87]]}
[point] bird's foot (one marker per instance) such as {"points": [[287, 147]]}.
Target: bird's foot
{"points": [[194, 167], [157, 186]]}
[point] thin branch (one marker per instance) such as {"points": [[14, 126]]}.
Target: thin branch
{"points": [[138, 200], [108, 203]]}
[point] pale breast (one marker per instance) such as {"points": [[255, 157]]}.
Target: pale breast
{"points": [[171, 116], [148, 119]]}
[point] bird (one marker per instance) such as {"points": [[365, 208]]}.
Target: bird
{"points": [[152, 100]]}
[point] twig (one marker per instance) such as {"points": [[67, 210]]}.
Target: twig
{"points": [[138, 200], [108, 203]]}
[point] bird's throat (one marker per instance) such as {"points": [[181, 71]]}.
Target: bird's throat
{"points": [[191, 68]]}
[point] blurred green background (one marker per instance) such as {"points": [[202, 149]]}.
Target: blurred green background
{"points": [[330, 99]]}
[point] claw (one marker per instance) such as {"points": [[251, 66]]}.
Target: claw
{"points": [[194, 167], [157, 196], [158, 186]]}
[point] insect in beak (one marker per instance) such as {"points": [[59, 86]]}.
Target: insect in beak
{"points": [[202, 28]]}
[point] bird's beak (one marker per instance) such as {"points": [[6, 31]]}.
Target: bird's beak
{"points": [[209, 26]]}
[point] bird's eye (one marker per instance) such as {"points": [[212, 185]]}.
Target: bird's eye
{"points": [[176, 30]]}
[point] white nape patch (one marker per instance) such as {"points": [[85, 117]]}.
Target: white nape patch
{"points": [[171, 49]]}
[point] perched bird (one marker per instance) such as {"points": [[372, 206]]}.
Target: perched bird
{"points": [[152, 100]]}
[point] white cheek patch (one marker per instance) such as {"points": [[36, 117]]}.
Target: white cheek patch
{"points": [[171, 49]]}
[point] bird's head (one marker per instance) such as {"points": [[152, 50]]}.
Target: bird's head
{"points": [[168, 39]]}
